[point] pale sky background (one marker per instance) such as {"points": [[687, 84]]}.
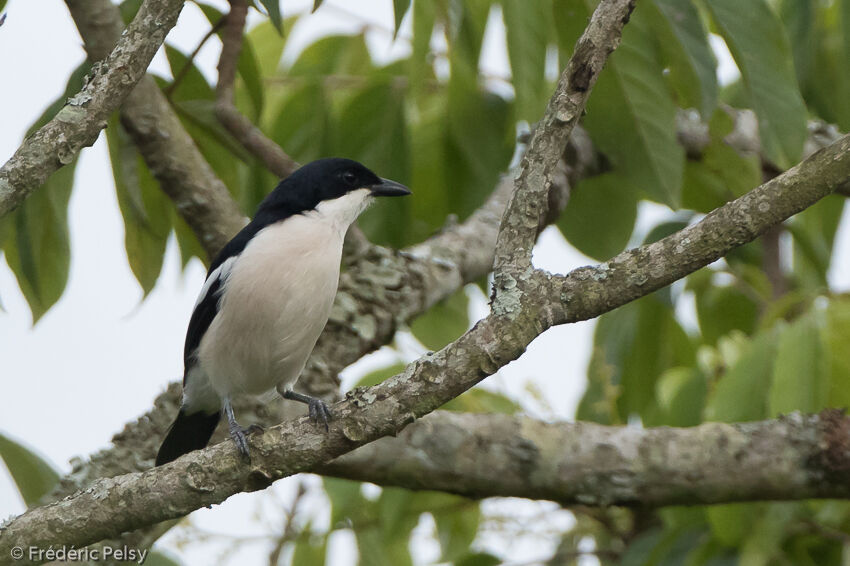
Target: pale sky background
{"points": [[99, 357]]}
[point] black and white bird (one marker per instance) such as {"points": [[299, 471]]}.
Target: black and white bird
{"points": [[266, 299]]}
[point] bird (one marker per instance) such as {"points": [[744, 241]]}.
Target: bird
{"points": [[266, 298]]}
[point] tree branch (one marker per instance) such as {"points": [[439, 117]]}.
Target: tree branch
{"points": [[637, 272], [422, 376], [209, 476], [240, 127], [79, 122], [201, 198], [486, 455], [538, 166]]}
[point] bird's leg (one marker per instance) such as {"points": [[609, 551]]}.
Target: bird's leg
{"points": [[237, 432], [318, 411]]}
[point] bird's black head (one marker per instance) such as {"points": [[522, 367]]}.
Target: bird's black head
{"points": [[324, 180]]}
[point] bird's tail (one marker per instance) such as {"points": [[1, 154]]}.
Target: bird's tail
{"points": [[188, 432]]}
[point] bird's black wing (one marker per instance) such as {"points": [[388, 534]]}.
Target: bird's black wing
{"points": [[207, 306]]}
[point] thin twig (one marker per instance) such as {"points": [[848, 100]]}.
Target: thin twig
{"points": [[184, 70], [288, 533], [240, 127]]}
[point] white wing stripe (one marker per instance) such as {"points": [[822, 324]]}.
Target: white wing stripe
{"points": [[220, 272]]}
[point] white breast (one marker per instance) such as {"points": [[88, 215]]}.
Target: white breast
{"points": [[277, 300]]}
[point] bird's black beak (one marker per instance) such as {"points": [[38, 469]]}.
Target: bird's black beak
{"points": [[387, 188]]}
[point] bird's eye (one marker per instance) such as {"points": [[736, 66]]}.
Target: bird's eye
{"points": [[349, 177]]}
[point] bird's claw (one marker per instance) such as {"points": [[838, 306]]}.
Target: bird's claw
{"points": [[254, 429], [319, 412], [240, 438]]}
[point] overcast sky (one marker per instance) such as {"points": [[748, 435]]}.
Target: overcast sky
{"points": [[99, 357]]}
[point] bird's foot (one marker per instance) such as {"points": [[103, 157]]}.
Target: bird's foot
{"points": [[317, 409], [238, 433], [240, 438]]}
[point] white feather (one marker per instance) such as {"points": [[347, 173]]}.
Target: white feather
{"points": [[276, 300]]}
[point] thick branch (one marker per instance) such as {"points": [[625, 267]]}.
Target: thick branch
{"points": [[635, 273], [201, 198], [79, 122], [538, 165], [482, 455], [113, 505]]}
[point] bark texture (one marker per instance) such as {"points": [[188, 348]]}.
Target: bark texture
{"points": [[80, 121]]}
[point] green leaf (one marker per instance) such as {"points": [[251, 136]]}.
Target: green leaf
{"points": [[376, 551], [768, 534], [129, 9], [639, 552], [722, 174], [457, 522], [836, 339], [247, 67], [347, 501], [599, 402], [398, 514], [268, 46], [482, 401], [33, 475], [527, 31], [731, 524], [372, 129], [683, 41], [801, 374], [465, 25], [303, 123], [632, 118], [379, 375], [720, 310], [813, 232], [637, 343], [316, 4], [334, 54], [424, 17], [479, 142], [739, 395], [216, 145], [429, 169], [193, 85], [681, 394], [400, 8], [201, 115], [760, 48], [478, 559], [145, 208], [273, 10], [310, 551], [443, 322], [187, 241], [249, 70], [36, 240], [38, 247], [600, 215]]}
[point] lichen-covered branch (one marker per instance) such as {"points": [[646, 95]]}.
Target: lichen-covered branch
{"points": [[539, 163], [209, 476], [202, 200], [637, 272], [79, 122], [485, 455]]}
